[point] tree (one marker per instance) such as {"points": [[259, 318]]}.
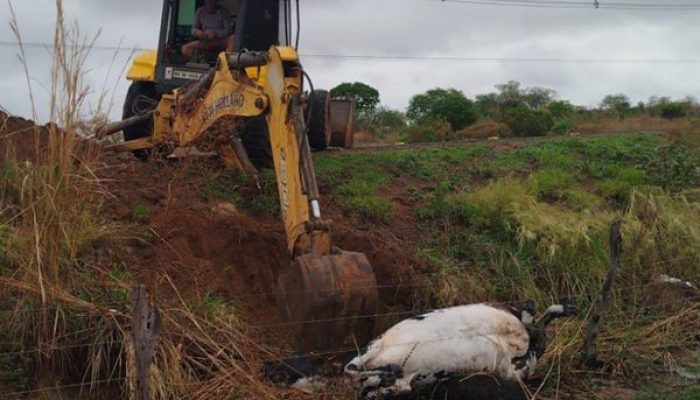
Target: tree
{"points": [[387, 120], [450, 105], [488, 105], [366, 97], [524, 121], [537, 98], [510, 94], [618, 104]]}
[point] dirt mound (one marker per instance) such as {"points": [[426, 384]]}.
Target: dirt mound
{"points": [[210, 246], [17, 135], [229, 255], [23, 140]]}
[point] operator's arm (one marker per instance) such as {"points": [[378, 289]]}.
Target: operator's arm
{"points": [[197, 31], [225, 31]]}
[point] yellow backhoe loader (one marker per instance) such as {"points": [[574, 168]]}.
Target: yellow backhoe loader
{"points": [[252, 107]]}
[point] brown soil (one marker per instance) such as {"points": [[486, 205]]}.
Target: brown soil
{"points": [[17, 135], [209, 246]]}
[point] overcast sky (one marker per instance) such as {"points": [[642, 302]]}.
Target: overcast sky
{"points": [[413, 28]]}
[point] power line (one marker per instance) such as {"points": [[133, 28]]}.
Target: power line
{"points": [[47, 46], [38, 45], [505, 59], [596, 4]]}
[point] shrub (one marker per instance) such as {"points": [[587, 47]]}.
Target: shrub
{"points": [[673, 110], [526, 122], [431, 131], [562, 127], [484, 130], [551, 182]]}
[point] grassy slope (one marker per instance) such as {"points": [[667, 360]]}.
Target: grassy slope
{"points": [[506, 222], [500, 224]]}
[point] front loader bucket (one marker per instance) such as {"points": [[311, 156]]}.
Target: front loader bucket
{"points": [[330, 301]]}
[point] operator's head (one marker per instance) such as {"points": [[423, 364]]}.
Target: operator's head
{"points": [[211, 5]]}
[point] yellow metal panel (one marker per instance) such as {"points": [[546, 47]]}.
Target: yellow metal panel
{"points": [[285, 148], [258, 74], [288, 54], [225, 97], [143, 67]]}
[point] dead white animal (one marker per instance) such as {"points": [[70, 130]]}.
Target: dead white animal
{"points": [[465, 339]]}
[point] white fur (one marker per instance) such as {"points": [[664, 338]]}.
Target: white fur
{"points": [[675, 281], [472, 338], [310, 385], [556, 309]]}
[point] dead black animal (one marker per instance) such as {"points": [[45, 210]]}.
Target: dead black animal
{"points": [[306, 373]]}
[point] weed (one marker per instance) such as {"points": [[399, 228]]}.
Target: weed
{"points": [[141, 212], [674, 167], [211, 306], [122, 278]]}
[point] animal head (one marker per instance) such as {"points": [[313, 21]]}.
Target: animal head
{"points": [[289, 371], [565, 308], [528, 311]]}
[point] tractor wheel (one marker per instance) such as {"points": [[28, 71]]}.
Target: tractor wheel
{"points": [[141, 97], [319, 119], [256, 141]]}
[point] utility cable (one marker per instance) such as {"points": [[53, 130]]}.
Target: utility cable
{"points": [[597, 5], [37, 45]]}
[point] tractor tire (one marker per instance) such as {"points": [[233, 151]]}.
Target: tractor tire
{"points": [[141, 97], [319, 118], [256, 140]]}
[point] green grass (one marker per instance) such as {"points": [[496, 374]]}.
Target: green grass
{"points": [[3, 248], [120, 275], [508, 225], [258, 197], [550, 182], [659, 393], [360, 194], [357, 180], [225, 186]]}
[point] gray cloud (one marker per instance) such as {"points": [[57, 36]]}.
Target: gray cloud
{"points": [[408, 28]]}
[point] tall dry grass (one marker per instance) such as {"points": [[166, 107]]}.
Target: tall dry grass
{"points": [[561, 252], [68, 298], [640, 123]]}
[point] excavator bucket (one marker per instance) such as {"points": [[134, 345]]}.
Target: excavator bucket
{"points": [[330, 301]]}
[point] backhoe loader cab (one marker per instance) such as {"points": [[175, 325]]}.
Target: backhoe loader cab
{"points": [[256, 25]]}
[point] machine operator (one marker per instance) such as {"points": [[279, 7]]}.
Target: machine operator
{"points": [[212, 29]]}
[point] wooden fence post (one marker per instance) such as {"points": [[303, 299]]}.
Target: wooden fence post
{"points": [[146, 325], [589, 351]]}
